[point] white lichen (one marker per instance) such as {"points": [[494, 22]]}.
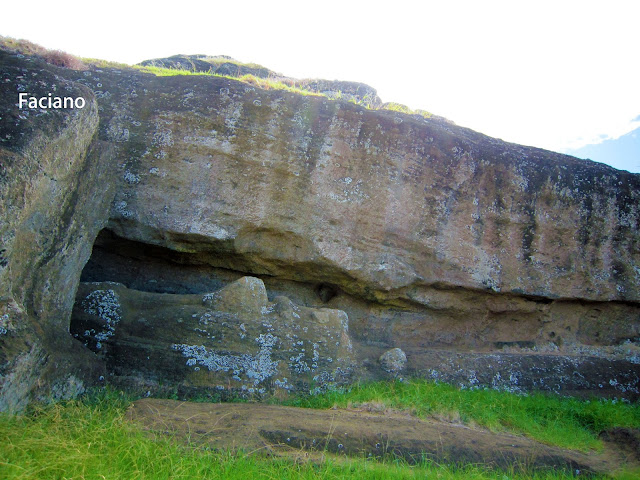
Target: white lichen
{"points": [[121, 208], [163, 138], [104, 304], [208, 297], [256, 368], [131, 178], [4, 323]]}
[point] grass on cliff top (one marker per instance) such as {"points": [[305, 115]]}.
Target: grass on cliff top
{"points": [[563, 422], [264, 83], [223, 60], [170, 72], [63, 59], [275, 84], [91, 439], [398, 107]]}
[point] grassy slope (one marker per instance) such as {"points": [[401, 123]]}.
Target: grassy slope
{"points": [[91, 439]]}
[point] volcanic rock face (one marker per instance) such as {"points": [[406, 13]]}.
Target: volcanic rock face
{"points": [[54, 195], [391, 202], [433, 236], [384, 205], [430, 237]]}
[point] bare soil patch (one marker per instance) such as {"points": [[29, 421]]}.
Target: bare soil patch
{"points": [[311, 434]]}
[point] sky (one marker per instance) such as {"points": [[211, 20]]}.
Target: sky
{"points": [[560, 74]]}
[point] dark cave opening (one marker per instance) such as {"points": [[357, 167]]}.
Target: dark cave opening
{"points": [[153, 268]]}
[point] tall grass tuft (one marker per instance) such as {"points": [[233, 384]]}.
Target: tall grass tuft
{"points": [[54, 57]]}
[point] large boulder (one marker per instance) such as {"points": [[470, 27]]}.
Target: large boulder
{"points": [[233, 339], [385, 205]]}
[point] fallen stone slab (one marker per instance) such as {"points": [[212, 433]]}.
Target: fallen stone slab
{"points": [[281, 430]]}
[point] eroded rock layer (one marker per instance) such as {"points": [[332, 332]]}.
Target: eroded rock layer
{"points": [[385, 205], [476, 339], [457, 248]]}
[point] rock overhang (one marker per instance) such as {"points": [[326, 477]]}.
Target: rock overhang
{"points": [[428, 235], [393, 199]]}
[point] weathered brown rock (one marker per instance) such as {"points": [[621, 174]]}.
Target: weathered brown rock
{"points": [[431, 237], [54, 195], [428, 235], [385, 205], [301, 433], [233, 339]]}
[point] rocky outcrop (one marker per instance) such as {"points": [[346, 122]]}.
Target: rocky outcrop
{"points": [[430, 237], [363, 432], [54, 194], [355, 92], [386, 206], [232, 339], [393, 361]]}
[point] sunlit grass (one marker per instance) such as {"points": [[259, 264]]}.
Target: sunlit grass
{"points": [[277, 84], [170, 72], [263, 83], [99, 63], [91, 439], [398, 107], [564, 422]]}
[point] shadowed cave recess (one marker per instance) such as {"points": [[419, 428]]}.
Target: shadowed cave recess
{"points": [[474, 339]]}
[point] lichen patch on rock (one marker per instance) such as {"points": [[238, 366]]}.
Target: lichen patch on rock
{"points": [[232, 338]]}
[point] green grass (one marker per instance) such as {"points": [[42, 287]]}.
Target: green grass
{"points": [[564, 422], [170, 72], [99, 63], [270, 84], [91, 439], [264, 83], [398, 107]]}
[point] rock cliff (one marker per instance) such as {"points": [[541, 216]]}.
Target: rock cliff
{"points": [[55, 189], [487, 263]]}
